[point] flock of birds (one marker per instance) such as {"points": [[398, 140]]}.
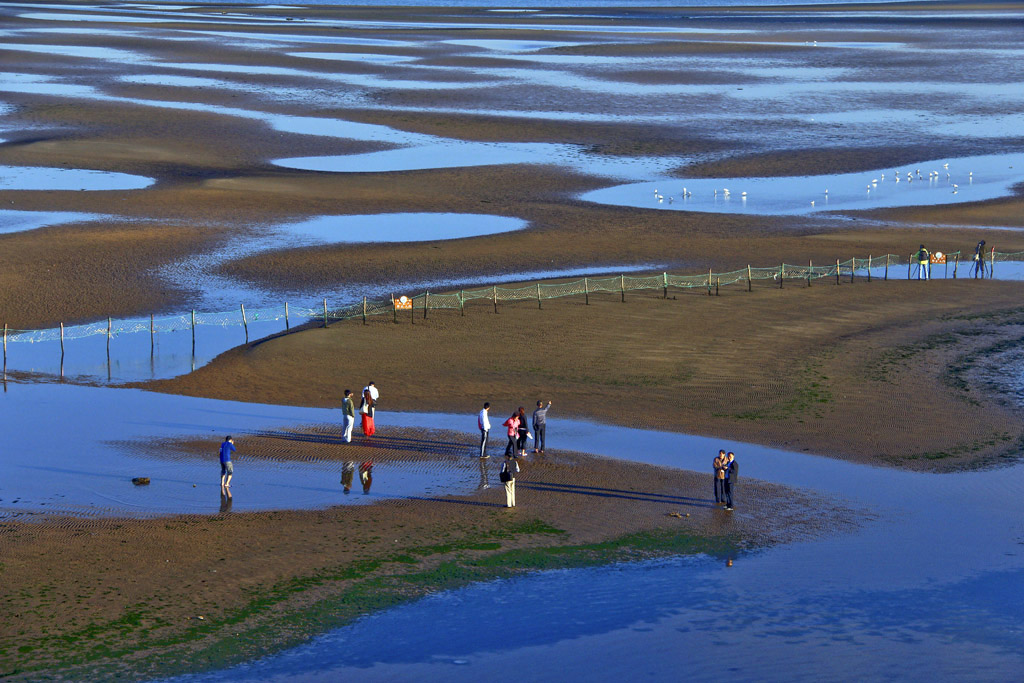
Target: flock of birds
{"points": [[933, 176]]}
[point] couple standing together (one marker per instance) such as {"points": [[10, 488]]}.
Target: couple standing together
{"points": [[367, 408], [727, 472]]}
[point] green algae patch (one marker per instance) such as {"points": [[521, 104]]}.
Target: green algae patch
{"points": [[290, 612]]}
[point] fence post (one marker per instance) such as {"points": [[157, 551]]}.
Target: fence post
{"points": [[664, 280], [245, 324], [412, 310], [5, 346], [718, 281], [287, 323], [887, 267], [586, 291], [394, 309], [426, 304], [910, 265], [956, 262], [193, 332], [837, 271], [810, 271], [992, 265], [364, 310], [709, 282], [782, 274], [622, 287], [748, 278], [152, 335], [494, 295], [62, 340], [538, 297], [853, 267], [869, 267], [462, 302], [109, 326], [325, 312]]}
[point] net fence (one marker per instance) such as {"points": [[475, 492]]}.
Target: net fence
{"points": [[540, 291]]}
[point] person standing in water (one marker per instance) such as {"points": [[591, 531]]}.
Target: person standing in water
{"points": [[227, 470], [483, 422], [348, 408], [540, 425], [513, 433]]}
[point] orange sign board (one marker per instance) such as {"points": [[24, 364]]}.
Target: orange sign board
{"points": [[938, 257], [403, 303]]}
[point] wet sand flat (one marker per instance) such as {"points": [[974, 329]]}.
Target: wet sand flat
{"points": [[137, 595]]}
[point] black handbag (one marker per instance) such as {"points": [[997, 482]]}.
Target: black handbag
{"points": [[505, 475]]}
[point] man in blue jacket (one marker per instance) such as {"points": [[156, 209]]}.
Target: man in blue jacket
{"points": [[732, 475], [226, 468]]}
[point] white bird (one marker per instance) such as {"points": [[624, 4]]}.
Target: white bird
{"points": [[812, 202], [946, 165], [874, 181], [883, 176], [955, 186], [743, 194], [716, 193], [826, 191]]}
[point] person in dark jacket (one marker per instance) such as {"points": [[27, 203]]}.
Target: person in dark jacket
{"points": [[732, 475], [523, 431], [924, 258], [979, 260]]}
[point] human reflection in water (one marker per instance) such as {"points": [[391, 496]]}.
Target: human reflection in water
{"points": [[226, 501], [366, 475], [484, 484], [347, 473]]}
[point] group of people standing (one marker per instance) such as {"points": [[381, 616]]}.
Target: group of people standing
{"points": [[518, 431], [727, 474], [367, 409]]}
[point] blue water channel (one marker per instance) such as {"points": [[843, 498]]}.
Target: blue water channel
{"points": [[928, 586]]}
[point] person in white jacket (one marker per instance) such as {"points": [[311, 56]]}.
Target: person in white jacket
{"points": [[484, 423]]}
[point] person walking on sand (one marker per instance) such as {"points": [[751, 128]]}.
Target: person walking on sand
{"points": [[718, 471], [509, 469], [540, 425], [732, 475], [923, 259], [483, 421], [979, 260], [513, 433], [523, 432], [368, 407], [227, 470], [348, 408]]}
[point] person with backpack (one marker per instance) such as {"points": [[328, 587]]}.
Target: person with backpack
{"points": [[979, 260], [508, 477], [924, 258]]}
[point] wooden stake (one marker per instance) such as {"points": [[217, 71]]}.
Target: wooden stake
{"points": [[494, 295], [287, 323], [837, 271], [426, 304], [152, 335], [412, 310], [748, 278], [853, 267], [586, 291], [956, 262], [664, 280], [62, 340], [782, 274], [245, 324], [887, 267], [364, 310], [718, 281], [810, 271], [109, 326], [193, 333], [869, 267], [538, 297], [325, 312], [462, 302], [5, 346], [709, 282], [991, 264], [910, 265], [622, 287], [394, 308]]}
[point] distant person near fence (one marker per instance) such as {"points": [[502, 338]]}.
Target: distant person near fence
{"points": [[979, 260], [923, 263]]}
